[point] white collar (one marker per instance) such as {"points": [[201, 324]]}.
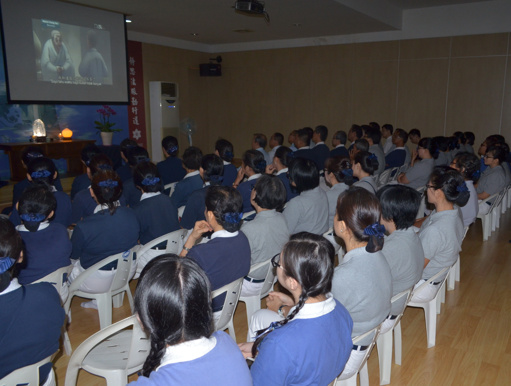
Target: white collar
{"points": [[254, 176], [53, 189], [341, 145], [187, 351], [42, 225], [399, 148], [320, 143], [149, 195], [224, 234], [13, 286], [99, 208], [305, 147], [191, 174], [207, 183], [281, 171], [226, 163], [315, 310]]}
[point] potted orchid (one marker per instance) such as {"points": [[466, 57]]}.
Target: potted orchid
{"points": [[104, 126]]}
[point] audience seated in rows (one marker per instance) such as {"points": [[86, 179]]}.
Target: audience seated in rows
{"points": [[423, 162]]}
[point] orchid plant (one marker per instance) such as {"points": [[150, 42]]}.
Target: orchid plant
{"points": [[104, 125]]}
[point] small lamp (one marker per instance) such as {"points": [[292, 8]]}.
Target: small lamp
{"points": [[39, 131], [67, 134]]}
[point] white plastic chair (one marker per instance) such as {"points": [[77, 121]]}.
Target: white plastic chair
{"points": [[489, 220], [175, 241], [384, 341], [384, 177], [454, 272], [112, 353], [120, 284], [432, 307], [248, 214], [364, 374], [28, 375], [180, 211], [232, 294], [57, 278], [253, 303], [330, 236], [170, 186]]}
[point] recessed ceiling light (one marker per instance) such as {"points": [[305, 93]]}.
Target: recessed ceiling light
{"points": [[242, 31], [194, 34], [128, 20]]}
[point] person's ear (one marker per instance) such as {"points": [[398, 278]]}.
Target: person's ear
{"points": [[29, 177], [51, 214], [20, 258], [291, 283], [55, 175]]}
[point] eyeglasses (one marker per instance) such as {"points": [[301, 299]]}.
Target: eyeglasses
{"points": [[488, 156], [275, 261]]}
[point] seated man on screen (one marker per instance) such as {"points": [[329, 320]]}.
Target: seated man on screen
{"points": [[55, 60], [92, 66]]}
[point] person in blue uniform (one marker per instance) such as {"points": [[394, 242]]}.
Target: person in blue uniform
{"points": [[280, 166], [397, 157], [27, 155], [156, 213], [47, 245], [302, 142], [191, 181], [310, 341], [131, 194], [211, 170], [42, 171], [226, 257], [184, 348], [110, 230], [124, 171], [339, 144], [171, 169], [31, 317], [320, 149], [82, 181], [252, 167], [225, 150]]}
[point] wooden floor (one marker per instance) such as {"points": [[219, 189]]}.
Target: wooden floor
{"points": [[473, 342]]}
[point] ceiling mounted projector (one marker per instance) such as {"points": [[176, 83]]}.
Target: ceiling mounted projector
{"points": [[252, 7]]}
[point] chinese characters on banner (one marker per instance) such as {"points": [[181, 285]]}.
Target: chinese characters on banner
{"points": [[136, 108]]}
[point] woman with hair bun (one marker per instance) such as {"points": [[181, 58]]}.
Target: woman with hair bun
{"points": [[47, 245], [470, 168], [110, 230], [225, 150], [364, 166], [420, 169], [441, 233], [170, 169], [280, 166], [252, 167], [307, 212], [42, 172], [156, 213], [173, 304], [363, 281], [308, 341], [339, 175], [226, 256], [211, 171], [31, 316]]}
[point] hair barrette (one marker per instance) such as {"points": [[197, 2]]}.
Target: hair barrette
{"points": [[40, 174], [372, 156], [462, 188], [34, 155], [108, 183], [105, 167], [347, 172], [150, 181], [375, 229], [33, 217], [233, 217], [172, 149], [6, 263], [261, 165]]}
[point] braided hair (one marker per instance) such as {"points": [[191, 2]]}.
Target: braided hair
{"points": [[173, 302], [309, 259]]}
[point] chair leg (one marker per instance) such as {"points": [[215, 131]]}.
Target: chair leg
{"points": [[104, 309], [451, 279], [68, 349], [458, 268], [384, 346], [348, 382], [430, 315], [397, 344], [253, 304], [230, 327], [364, 375], [115, 378], [486, 226], [118, 300], [130, 299]]}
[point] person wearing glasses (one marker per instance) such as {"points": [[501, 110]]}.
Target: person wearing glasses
{"points": [[423, 162], [441, 233], [493, 179], [309, 338]]}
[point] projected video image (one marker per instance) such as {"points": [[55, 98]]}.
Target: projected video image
{"points": [[68, 54]]}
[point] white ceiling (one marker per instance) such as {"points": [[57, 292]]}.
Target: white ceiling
{"points": [[215, 22]]}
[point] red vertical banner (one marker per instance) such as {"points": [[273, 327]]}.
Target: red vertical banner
{"points": [[136, 108]]}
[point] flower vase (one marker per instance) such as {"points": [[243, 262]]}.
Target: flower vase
{"points": [[106, 138]]}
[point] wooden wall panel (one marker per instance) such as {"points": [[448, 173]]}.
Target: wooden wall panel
{"points": [[479, 45]]}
